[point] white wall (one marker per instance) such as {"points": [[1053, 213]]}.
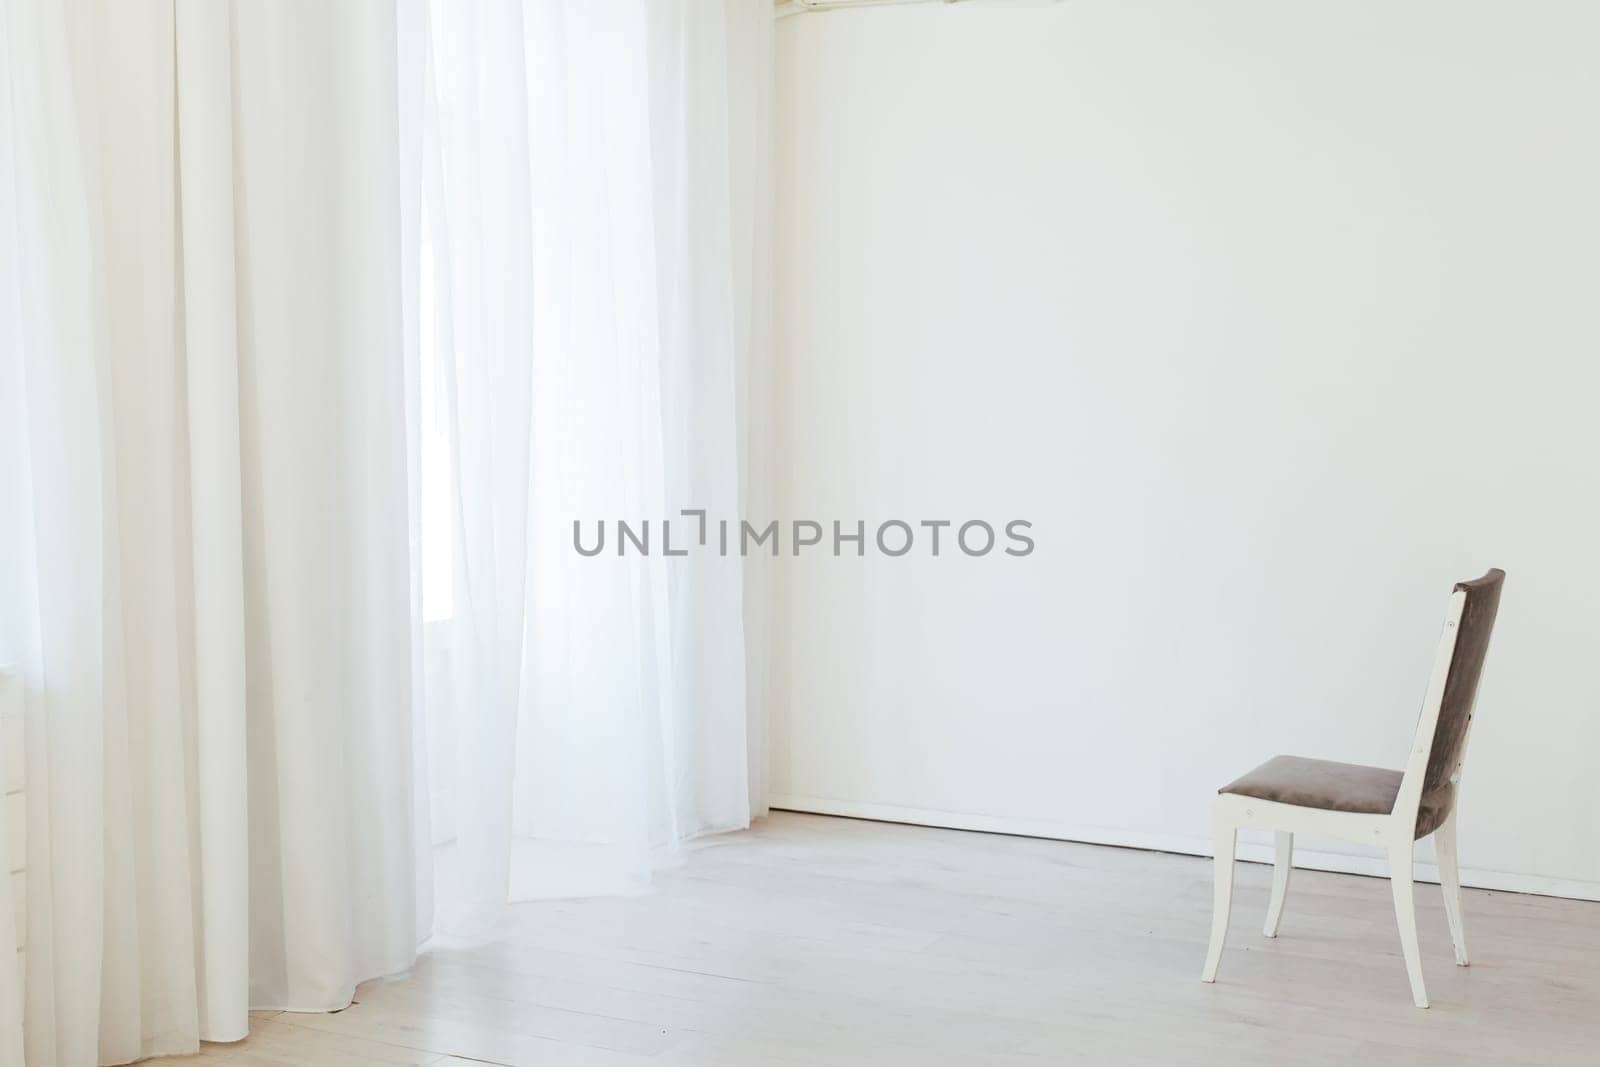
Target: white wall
{"points": [[1275, 319]]}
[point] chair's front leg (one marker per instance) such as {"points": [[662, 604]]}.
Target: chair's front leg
{"points": [[1224, 834], [1405, 911], [1283, 863]]}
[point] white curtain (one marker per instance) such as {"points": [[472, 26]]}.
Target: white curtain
{"points": [[203, 469], [595, 242], [320, 324]]}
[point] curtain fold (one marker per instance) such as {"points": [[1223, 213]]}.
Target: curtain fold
{"points": [[209, 330]]}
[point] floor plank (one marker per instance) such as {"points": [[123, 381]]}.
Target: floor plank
{"points": [[821, 941]]}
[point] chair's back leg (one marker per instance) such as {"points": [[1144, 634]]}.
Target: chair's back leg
{"points": [[1282, 865], [1405, 911], [1224, 834], [1444, 841]]}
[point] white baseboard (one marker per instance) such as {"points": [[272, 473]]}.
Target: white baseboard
{"points": [[1055, 830]]}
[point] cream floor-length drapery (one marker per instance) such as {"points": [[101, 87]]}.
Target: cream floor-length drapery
{"points": [[207, 573], [320, 323]]}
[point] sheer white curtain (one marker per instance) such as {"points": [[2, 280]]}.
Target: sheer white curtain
{"points": [[295, 298], [596, 243], [203, 502]]}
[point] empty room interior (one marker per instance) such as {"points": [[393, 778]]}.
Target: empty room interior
{"points": [[827, 533]]}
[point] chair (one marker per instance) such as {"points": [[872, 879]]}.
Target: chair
{"points": [[1373, 805]]}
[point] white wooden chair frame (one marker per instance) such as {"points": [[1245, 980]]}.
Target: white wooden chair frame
{"points": [[1395, 832]]}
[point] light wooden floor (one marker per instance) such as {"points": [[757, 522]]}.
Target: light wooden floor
{"points": [[816, 941]]}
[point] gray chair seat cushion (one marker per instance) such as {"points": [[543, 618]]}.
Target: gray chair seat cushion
{"points": [[1330, 786]]}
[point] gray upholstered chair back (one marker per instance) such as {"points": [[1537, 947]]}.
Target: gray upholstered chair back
{"points": [[1461, 685]]}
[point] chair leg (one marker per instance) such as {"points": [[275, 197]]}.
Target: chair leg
{"points": [[1224, 834], [1444, 840], [1405, 911], [1282, 865]]}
